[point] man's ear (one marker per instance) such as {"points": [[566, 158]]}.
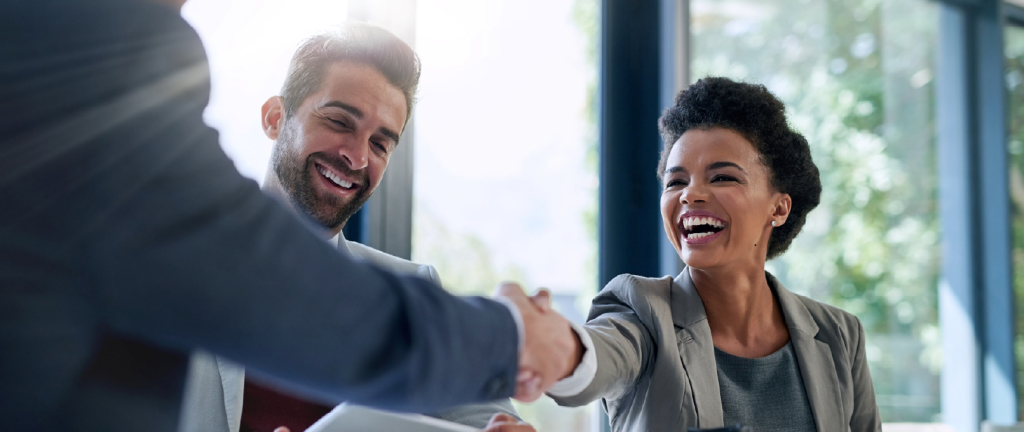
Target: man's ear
{"points": [[273, 117], [783, 205]]}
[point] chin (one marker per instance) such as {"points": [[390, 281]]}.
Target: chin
{"points": [[699, 259]]}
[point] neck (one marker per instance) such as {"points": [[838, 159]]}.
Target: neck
{"points": [[272, 186], [743, 314]]}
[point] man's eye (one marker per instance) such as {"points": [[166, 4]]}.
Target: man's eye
{"points": [[381, 146], [338, 122]]}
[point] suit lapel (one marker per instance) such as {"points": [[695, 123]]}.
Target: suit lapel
{"points": [[817, 368], [232, 380], [697, 351]]}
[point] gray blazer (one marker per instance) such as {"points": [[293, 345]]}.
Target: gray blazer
{"points": [[656, 362], [213, 389]]}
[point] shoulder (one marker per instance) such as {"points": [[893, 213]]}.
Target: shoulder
{"points": [[638, 292], [392, 263], [832, 321]]}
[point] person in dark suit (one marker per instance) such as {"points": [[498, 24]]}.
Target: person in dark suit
{"points": [[127, 241]]}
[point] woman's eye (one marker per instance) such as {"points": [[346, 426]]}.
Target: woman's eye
{"points": [[674, 183], [723, 178]]}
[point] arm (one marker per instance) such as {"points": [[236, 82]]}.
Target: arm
{"points": [[475, 415], [621, 347], [865, 415], [186, 253]]}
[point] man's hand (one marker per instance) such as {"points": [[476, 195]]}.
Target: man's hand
{"points": [[551, 350], [505, 423]]}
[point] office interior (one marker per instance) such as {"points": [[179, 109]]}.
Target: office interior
{"points": [[532, 150]]}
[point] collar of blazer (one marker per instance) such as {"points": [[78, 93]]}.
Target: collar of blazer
{"points": [[697, 352]]}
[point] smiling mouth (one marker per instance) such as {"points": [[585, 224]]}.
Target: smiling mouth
{"points": [[695, 228], [334, 178]]}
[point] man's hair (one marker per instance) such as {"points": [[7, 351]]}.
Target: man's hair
{"points": [[760, 117], [356, 43]]}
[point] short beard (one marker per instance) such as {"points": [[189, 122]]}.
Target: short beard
{"points": [[295, 177]]}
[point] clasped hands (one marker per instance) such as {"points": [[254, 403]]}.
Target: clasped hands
{"points": [[551, 349]]}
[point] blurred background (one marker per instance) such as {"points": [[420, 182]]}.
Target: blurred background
{"points": [[511, 166]]}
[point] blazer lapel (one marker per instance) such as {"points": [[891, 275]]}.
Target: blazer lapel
{"points": [[232, 380], [817, 368], [697, 351]]}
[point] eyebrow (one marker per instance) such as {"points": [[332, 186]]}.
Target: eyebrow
{"points": [[351, 109], [392, 135], [723, 164], [715, 165]]}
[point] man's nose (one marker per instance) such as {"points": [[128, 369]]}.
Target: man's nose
{"points": [[355, 151]]}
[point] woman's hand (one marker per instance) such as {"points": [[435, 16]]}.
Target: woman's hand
{"points": [[505, 423]]}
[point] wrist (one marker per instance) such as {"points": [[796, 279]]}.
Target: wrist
{"points": [[576, 356]]}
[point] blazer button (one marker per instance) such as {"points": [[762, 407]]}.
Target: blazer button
{"points": [[496, 387]]}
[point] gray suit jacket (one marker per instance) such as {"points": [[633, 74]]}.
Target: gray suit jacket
{"points": [[656, 362], [213, 390]]}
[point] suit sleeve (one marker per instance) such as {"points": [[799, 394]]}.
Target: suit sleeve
{"points": [[621, 343], [185, 252], [475, 415], [865, 411]]}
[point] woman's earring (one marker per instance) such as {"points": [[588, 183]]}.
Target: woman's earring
{"points": [[773, 223]]}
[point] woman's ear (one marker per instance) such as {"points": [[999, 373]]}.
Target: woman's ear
{"points": [[783, 204], [273, 117]]}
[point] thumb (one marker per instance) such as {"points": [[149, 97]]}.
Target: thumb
{"points": [[542, 299], [282, 429]]}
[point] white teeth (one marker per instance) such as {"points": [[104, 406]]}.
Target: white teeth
{"points": [[690, 222], [337, 180], [695, 236]]}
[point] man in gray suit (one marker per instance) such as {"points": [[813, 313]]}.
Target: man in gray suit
{"points": [[339, 104]]}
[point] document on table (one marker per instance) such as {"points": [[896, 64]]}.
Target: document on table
{"points": [[354, 418]]}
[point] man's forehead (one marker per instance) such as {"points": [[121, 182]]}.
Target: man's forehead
{"points": [[364, 87]]}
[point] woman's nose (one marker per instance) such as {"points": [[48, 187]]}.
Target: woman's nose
{"points": [[693, 194]]}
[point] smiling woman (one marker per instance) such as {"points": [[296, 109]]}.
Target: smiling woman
{"points": [[725, 335]]}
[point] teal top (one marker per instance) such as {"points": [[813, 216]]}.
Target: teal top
{"points": [[764, 393]]}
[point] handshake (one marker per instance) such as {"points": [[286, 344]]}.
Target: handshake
{"points": [[551, 349]]}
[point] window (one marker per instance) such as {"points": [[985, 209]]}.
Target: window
{"points": [[1015, 93], [249, 46], [856, 76], [505, 163]]}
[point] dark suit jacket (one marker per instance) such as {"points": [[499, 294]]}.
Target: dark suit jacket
{"points": [[126, 241], [656, 365]]}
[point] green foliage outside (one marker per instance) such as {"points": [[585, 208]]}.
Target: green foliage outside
{"points": [[1014, 80], [856, 78]]}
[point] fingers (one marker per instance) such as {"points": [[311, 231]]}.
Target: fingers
{"points": [[529, 388], [542, 299], [511, 290], [501, 418], [549, 344], [502, 422], [511, 427]]}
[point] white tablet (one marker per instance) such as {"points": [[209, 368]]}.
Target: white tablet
{"points": [[354, 418]]}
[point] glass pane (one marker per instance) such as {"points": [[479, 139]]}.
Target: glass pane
{"points": [[248, 63], [1015, 147], [505, 163], [856, 77]]}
